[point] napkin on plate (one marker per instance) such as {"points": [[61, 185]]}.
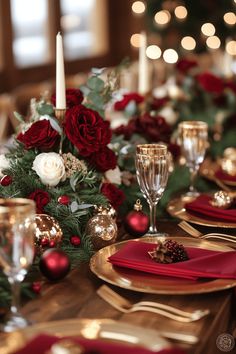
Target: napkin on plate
{"points": [[201, 207], [220, 174], [202, 263], [43, 342]]}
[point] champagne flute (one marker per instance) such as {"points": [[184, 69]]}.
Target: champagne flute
{"points": [[152, 167], [17, 229], [193, 139]]}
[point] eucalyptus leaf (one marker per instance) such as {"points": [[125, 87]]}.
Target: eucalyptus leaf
{"points": [[74, 206], [96, 99], [45, 108], [55, 125], [85, 206], [98, 71], [85, 90], [95, 83]]}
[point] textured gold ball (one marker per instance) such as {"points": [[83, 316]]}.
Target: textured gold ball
{"points": [[102, 230], [48, 231]]}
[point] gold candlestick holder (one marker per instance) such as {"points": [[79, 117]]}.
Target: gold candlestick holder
{"points": [[60, 115]]}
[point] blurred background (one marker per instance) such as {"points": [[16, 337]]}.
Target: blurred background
{"points": [[100, 33]]}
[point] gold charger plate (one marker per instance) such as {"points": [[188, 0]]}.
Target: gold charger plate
{"points": [[154, 284], [176, 208], [103, 329], [208, 170]]}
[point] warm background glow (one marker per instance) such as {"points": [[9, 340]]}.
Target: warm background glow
{"points": [[170, 56], [208, 29], [188, 43], [138, 7], [153, 52], [181, 12], [135, 40], [162, 17], [213, 42]]}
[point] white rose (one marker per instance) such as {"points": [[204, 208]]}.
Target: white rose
{"points": [[4, 163], [113, 176], [50, 168], [169, 114]]}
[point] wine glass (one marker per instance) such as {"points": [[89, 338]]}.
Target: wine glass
{"points": [[17, 229], [152, 167], [193, 140]]}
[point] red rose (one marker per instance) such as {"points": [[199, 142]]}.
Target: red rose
{"points": [[154, 128], [158, 103], [210, 83], [126, 130], [41, 199], [120, 105], [74, 97], [185, 65], [40, 135], [231, 85], [104, 160], [86, 129], [113, 194]]}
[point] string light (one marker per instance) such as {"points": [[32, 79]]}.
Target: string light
{"points": [[208, 29], [188, 43], [231, 47], [138, 7], [135, 40], [153, 52], [213, 42], [181, 12], [162, 17], [230, 18], [170, 56]]}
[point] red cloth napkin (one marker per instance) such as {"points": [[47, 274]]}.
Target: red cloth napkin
{"points": [[43, 342], [220, 174], [201, 207], [202, 263]]}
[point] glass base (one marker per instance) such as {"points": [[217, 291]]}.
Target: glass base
{"points": [[156, 234], [14, 322]]}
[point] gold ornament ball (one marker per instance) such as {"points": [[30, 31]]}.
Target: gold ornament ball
{"points": [[102, 230], [48, 231]]}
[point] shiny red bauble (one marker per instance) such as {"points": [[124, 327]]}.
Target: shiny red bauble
{"points": [[75, 240], [6, 180], [36, 287], [64, 200], [54, 264], [136, 223]]}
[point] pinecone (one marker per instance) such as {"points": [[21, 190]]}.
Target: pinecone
{"points": [[169, 251]]}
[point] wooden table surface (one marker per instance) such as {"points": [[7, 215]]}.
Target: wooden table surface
{"points": [[75, 297]]}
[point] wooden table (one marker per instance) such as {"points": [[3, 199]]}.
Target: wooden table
{"points": [[75, 297]]}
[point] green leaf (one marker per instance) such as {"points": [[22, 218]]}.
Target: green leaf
{"points": [[55, 125], [45, 109], [96, 99], [96, 84]]}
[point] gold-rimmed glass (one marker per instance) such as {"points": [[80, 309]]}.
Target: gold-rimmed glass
{"points": [[193, 137], [152, 167], [17, 230]]}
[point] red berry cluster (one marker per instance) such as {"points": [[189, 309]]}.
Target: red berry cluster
{"points": [[176, 250]]}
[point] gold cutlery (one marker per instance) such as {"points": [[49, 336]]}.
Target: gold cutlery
{"points": [[123, 305], [197, 234]]}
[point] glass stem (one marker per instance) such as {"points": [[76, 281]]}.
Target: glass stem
{"points": [[15, 290], [193, 175], [153, 227]]}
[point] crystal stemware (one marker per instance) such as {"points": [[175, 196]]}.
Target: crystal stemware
{"points": [[152, 167], [193, 140], [17, 229]]}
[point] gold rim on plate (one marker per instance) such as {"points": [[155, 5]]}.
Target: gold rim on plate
{"points": [[154, 284], [103, 329], [176, 209]]}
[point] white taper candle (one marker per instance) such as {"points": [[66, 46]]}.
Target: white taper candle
{"points": [[60, 75], [143, 78]]}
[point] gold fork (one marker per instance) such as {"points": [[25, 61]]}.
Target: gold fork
{"points": [[195, 233], [123, 305]]}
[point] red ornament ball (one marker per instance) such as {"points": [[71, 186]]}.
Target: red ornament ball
{"points": [[36, 287], [136, 223], [44, 242], [75, 240], [54, 264], [64, 200], [52, 244], [6, 180]]}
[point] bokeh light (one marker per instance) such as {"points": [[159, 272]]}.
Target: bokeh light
{"points": [[170, 56], [231, 47], [181, 12], [188, 43], [138, 7], [230, 18], [162, 17], [213, 42], [153, 52], [208, 29], [135, 40]]}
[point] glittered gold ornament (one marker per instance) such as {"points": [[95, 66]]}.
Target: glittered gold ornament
{"points": [[48, 232], [101, 229]]}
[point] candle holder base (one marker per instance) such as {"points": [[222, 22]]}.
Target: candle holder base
{"points": [[60, 114]]}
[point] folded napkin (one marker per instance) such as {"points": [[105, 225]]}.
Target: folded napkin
{"points": [[42, 343], [202, 263], [220, 174], [201, 207]]}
